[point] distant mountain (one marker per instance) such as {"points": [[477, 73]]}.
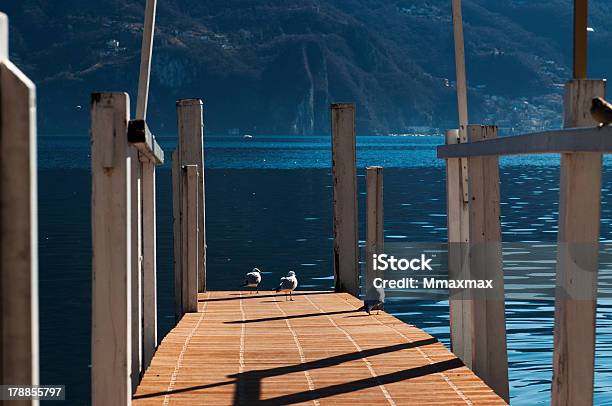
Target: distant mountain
{"points": [[274, 66]]}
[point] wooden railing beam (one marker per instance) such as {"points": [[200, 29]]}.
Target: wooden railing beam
{"points": [[142, 139], [586, 139]]}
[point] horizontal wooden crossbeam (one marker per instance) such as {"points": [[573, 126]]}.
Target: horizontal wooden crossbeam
{"points": [[141, 137], [587, 139]]}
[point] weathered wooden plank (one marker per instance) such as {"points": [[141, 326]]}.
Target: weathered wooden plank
{"points": [[344, 173], [460, 306], [19, 347], [189, 226], [177, 235], [489, 351], [577, 257], [375, 240], [190, 114], [589, 139], [149, 278], [145, 60], [111, 245], [136, 264], [141, 137]]}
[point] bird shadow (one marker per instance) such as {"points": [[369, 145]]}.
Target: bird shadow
{"points": [[237, 296]]}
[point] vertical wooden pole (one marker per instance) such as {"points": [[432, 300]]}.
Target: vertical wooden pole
{"points": [[461, 82], [460, 67], [191, 152], [177, 235], [149, 278], [460, 305], [111, 245], [577, 256], [136, 265], [145, 60], [581, 10], [190, 238], [344, 172], [374, 223], [19, 357], [489, 352]]}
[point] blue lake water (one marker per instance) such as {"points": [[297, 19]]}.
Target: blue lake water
{"points": [[268, 204]]}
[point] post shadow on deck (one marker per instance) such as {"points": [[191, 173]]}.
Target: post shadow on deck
{"points": [[248, 384]]}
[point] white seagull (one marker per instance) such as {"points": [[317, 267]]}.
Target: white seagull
{"points": [[252, 279], [288, 284]]}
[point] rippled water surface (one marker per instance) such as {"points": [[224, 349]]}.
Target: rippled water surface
{"points": [[269, 205]]}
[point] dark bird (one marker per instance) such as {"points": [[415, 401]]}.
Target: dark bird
{"points": [[374, 300], [601, 111], [369, 305]]}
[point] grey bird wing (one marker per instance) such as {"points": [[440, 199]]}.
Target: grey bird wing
{"points": [[253, 278], [287, 284]]}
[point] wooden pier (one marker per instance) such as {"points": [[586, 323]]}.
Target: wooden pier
{"points": [[258, 349], [248, 349]]}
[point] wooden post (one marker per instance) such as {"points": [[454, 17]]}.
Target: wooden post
{"points": [[577, 256], [346, 270], [149, 277], [489, 352], [19, 357], [581, 10], [177, 235], [461, 84], [374, 222], [460, 65], [145, 60], [4, 40], [136, 265], [111, 246], [191, 152], [189, 225], [458, 215]]}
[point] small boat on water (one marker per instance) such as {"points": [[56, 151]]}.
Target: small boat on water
{"points": [[247, 136]]}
